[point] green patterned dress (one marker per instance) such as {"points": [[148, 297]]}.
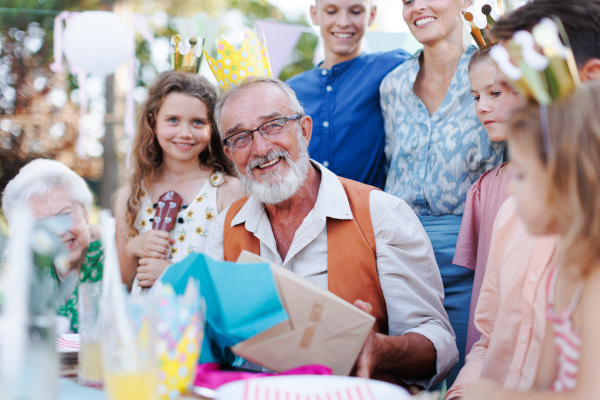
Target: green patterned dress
{"points": [[91, 271]]}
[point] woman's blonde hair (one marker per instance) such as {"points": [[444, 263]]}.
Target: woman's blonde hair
{"points": [[146, 153], [573, 170]]}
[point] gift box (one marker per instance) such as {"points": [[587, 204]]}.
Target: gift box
{"points": [[271, 316], [322, 328]]}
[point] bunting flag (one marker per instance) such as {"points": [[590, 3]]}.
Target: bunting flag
{"points": [[282, 40]]}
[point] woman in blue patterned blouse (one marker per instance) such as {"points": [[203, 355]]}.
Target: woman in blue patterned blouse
{"points": [[435, 145]]}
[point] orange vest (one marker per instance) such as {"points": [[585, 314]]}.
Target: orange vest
{"points": [[351, 251]]}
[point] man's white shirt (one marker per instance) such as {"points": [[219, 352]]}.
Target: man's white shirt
{"points": [[408, 273]]}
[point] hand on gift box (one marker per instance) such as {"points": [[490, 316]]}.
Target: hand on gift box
{"points": [[369, 355], [149, 270], [151, 244]]}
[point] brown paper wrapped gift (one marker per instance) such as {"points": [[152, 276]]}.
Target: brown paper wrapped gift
{"points": [[322, 329]]}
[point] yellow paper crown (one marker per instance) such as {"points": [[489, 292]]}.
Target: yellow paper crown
{"points": [[233, 67], [186, 55], [540, 77], [480, 17]]}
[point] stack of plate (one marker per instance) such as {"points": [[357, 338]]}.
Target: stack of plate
{"points": [[67, 346]]}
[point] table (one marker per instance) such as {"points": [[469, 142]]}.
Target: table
{"points": [[68, 389]]}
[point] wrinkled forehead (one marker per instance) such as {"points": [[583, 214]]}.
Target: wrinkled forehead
{"points": [[54, 202], [253, 104]]}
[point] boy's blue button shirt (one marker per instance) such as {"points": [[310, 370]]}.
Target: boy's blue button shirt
{"points": [[348, 134]]}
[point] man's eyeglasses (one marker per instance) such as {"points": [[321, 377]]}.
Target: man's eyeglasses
{"points": [[268, 130]]}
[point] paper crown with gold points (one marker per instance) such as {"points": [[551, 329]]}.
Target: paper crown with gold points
{"points": [[186, 55], [540, 64], [232, 67], [480, 17]]}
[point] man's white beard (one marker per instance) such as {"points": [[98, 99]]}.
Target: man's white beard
{"points": [[276, 189]]}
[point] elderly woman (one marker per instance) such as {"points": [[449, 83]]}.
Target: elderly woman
{"points": [[436, 146], [52, 189]]}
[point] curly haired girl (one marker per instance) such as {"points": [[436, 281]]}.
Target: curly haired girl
{"points": [[175, 148]]}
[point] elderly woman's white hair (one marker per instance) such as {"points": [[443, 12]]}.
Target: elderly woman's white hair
{"points": [[37, 178]]}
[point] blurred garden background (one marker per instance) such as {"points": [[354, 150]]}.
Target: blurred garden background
{"points": [[50, 109]]}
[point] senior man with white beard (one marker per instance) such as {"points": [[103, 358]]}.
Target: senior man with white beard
{"points": [[362, 244]]}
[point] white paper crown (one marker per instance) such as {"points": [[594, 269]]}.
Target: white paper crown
{"points": [[233, 67], [541, 77]]}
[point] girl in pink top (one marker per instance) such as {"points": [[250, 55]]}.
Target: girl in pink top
{"points": [[488, 193], [557, 190]]}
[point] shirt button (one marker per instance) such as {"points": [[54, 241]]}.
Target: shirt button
{"points": [[326, 124], [533, 278], [326, 164], [422, 156], [329, 88], [524, 338], [417, 184], [324, 72]]}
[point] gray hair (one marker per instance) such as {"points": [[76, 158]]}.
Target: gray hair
{"points": [[235, 91], [37, 178]]}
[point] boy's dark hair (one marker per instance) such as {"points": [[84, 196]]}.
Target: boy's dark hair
{"points": [[581, 19], [479, 56]]}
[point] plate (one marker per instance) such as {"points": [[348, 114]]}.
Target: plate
{"points": [[67, 346], [311, 387], [68, 343]]}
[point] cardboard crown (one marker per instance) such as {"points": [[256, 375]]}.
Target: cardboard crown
{"points": [[233, 67], [480, 17], [540, 64], [186, 55]]}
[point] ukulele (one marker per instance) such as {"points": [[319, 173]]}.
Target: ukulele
{"points": [[166, 215]]}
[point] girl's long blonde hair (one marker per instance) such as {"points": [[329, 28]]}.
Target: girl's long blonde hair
{"points": [[146, 153], [573, 170]]}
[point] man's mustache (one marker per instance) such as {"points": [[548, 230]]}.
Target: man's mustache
{"points": [[272, 155]]}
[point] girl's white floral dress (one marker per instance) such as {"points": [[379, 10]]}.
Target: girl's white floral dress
{"points": [[193, 221]]}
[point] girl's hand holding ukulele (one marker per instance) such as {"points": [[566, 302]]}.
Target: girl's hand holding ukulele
{"points": [[152, 244]]}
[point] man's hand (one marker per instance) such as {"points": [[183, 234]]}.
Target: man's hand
{"points": [[369, 355], [483, 389], [150, 270]]}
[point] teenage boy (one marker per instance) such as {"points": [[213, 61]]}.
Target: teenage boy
{"points": [[342, 93]]}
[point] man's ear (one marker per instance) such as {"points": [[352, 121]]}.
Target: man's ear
{"points": [[590, 70], [227, 152], [467, 4], [306, 126], [314, 14], [372, 15]]}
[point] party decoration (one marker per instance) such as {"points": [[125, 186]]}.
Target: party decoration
{"points": [[233, 67], [180, 325], [480, 17], [97, 42], [186, 55], [282, 39], [241, 301], [540, 77]]}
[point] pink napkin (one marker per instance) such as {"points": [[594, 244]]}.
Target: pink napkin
{"points": [[210, 376]]}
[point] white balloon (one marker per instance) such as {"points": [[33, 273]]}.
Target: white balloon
{"points": [[98, 42]]}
